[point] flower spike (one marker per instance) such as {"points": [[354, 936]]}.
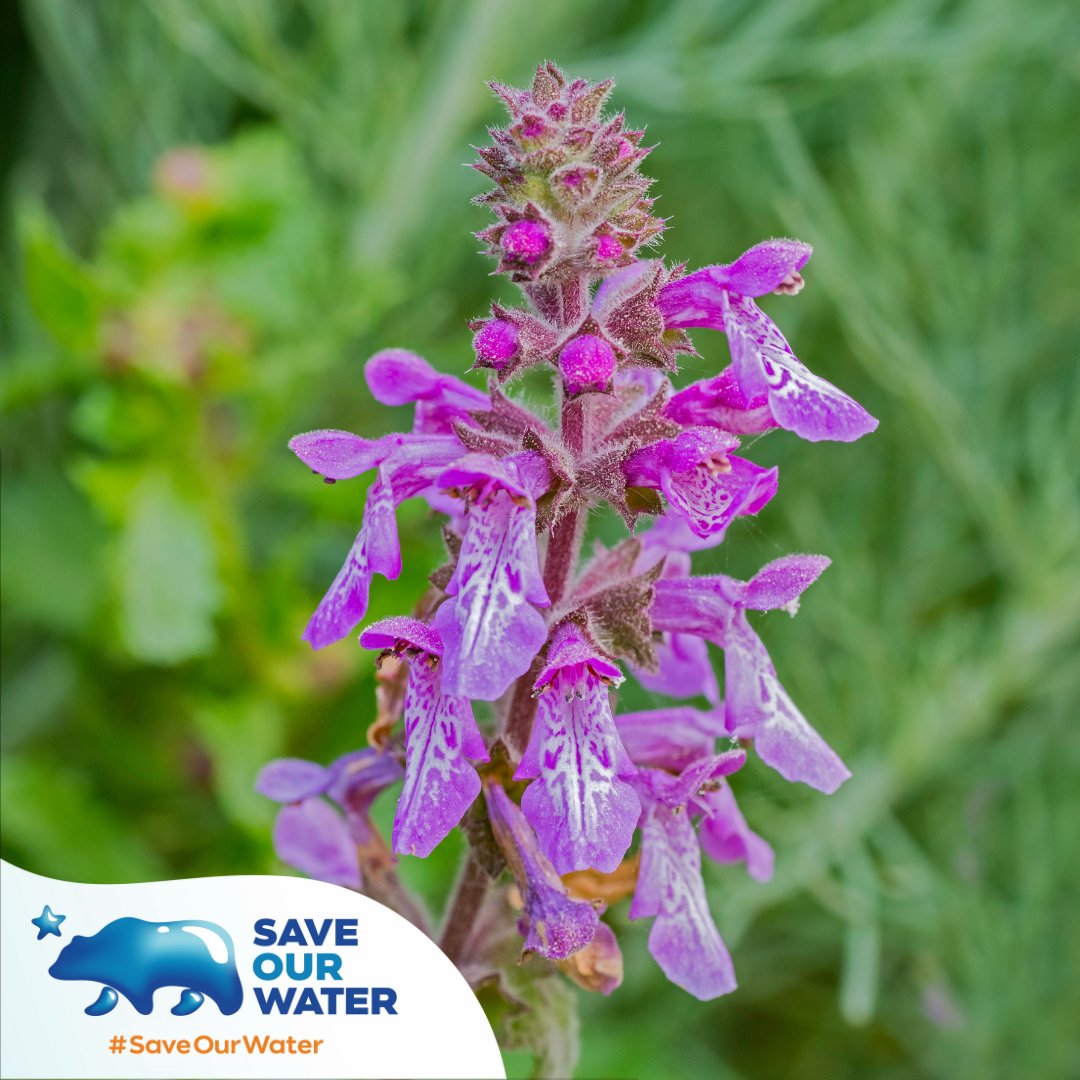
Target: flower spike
{"points": [[516, 618]]}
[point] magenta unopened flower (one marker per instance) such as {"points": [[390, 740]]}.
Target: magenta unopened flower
{"points": [[608, 247], [496, 343], [518, 619], [587, 362], [526, 242]]}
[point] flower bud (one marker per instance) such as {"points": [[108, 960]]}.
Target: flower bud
{"points": [[608, 247], [496, 343], [526, 242], [587, 363]]}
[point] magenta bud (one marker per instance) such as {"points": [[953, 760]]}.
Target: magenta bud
{"points": [[496, 343], [587, 363], [608, 247], [526, 242]]}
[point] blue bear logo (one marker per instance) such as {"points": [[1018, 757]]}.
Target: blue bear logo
{"points": [[135, 958]]}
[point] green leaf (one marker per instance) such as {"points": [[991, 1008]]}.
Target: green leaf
{"points": [[62, 292], [169, 585], [119, 419], [50, 553], [66, 828], [543, 1019], [241, 736]]}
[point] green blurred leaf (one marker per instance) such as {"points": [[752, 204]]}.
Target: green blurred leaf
{"points": [[62, 291], [241, 736], [33, 698], [50, 553], [52, 815], [168, 578], [118, 418]]}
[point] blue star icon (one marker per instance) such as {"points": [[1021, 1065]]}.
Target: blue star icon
{"points": [[47, 922]]}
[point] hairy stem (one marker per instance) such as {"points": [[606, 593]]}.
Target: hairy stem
{"points": [[564, 547], [469, 893], [519, 718]]}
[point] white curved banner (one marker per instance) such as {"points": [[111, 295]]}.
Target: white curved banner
{"points": [[226, 977]]}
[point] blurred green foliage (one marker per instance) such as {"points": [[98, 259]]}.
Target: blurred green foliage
{"points": [[216, 209]]}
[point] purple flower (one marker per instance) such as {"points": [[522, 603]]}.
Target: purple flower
{"points": [[721, 298], [490, 626], [552, 924], [525, 242], [726, 838], [676, 738], [571, 214], [407, 465], [701, 479], [683, 666], [309, 833], [581, 806], [718, 402], [670, 738], [400, 377], [440, 733], [683, 940], [757, 706]]}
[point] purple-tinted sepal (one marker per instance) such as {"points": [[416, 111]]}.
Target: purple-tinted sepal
{"points": [[440, 735], [374, 551], [799, 400], [400, 377], [726, 838], [599, 966], [490, 627], [684, 939], [552, 924], [580, 804]]}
